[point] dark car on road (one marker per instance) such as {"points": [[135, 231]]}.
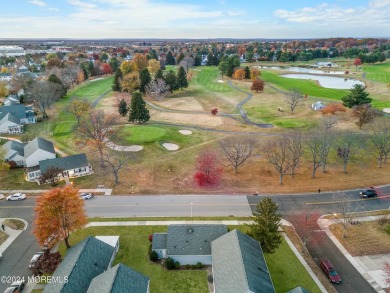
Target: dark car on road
{"points": [[368, 193], [330, 272]]}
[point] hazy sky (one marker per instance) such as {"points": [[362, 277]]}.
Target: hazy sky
{"points": [[194, 19]]}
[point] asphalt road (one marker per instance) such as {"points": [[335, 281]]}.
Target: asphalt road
{"points": [[17, 256]]}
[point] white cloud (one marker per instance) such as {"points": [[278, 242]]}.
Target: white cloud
{"points": [[53, 9], [379, 3], [81, 4], [37, 2]]}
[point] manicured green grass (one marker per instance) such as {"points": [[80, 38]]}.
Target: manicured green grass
{"points": [[208, 77], [147, 134], [133, 252], [286, 270], [308, 87], [95, 88], [378, 72]]}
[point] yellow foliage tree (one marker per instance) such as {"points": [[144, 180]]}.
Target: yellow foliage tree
{"points": [[239, 74], [127, 67], [130, 82], [154, 66], [255, 73], [4, 70], [3, 89], [139, 61]]}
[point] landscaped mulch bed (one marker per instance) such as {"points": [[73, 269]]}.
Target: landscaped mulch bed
{"points": [[14, 224], [367, 238], [3, 237]]}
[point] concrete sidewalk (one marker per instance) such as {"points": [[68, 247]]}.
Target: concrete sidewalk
{"points": [[370, 267], [107, 191], [12, 234]]}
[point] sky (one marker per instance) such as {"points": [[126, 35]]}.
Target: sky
{"points": [[201, 19]]}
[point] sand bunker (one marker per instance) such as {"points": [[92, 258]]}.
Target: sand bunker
{"points": [[220, 81], [170, 146], [386, 110], [185, 132], [122, 148]]}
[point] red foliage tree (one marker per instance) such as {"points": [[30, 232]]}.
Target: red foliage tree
{"points": [[106, 68], [357, 62], [257, 85], [214, 111], [332, 108], [386, 272], [150, 237], [208, 171], [305, 224]]}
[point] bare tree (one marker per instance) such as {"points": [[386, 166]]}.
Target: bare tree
{"points": [[328, 140], [78, 107], [328, 122], [44, 94], [348, 146], [294, 98], [96, 129], [295, 147], [157, 88], [343, 211], [380, 141], [365, 114], [277, 152], [237, 150], [187, 63], [20, 81], [319, 144], [117, 161], [68, 75]]}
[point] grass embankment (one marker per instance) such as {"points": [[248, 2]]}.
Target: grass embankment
{"points": [[286, 271], [378, 72]]}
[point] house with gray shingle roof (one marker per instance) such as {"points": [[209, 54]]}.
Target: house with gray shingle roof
{"points": [[239, 265], [159, 244], [37, 150], [11, 100], [70, 166], [14, 152], [13, 117], [189, 244], [119, 279], [83, 262]]}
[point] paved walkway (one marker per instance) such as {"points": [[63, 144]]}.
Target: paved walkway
{"points": [[12, 234], [369, 266], [107, 191]]}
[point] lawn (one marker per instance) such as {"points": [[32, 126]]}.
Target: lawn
{"points": [[367, 238], [286, 271], [207, 77], [378, 72], [94, 88]]}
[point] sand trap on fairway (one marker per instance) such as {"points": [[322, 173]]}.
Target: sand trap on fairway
{"points": [[170, 146], [122, 148], [220, 80], [386, 110], [185, 132]]}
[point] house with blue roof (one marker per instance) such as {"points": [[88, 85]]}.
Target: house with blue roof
{"points": [[13, 117]]}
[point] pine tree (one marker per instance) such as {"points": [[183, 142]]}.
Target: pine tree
{"points": [[247, 73], [170, 59], [182, 81], [144, 79], [122, 108], [171, 80], [198, 61], [54, 79], [117, 83], [159, 74], [357, 96], [138, 110], [266, 225]]}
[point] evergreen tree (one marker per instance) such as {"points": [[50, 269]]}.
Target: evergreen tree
{"points": [[117, 83], [159, 74], [247, 73], [114, 63], [153, 54], [171, 80], [357, 96], [182, 81], [210, 59], [216, 60], [91, 68], [170, 59], [85, 71], [179, 58], [138, 110], [197, 60], [266, 225], [122, 108], [144, 79], [54, 79]]}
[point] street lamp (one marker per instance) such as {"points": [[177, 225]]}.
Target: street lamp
{"points": [[191, 209]]}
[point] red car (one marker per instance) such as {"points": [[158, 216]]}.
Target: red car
{"points": [[330, 272]]}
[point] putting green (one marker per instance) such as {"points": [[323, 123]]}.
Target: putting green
{"points": [[142, 134]]}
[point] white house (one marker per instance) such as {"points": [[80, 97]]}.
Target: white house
{"points": [[317, 106], [13, 117], [10, 124], [188, 244], [68, 167], [11, 100], [14, 152], [37, 150], [110, 240]]}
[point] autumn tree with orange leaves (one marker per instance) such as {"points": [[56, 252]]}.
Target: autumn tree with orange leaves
{"points": [[95, 130], [58, 212], [239, 74]]}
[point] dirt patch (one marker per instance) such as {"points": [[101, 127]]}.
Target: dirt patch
{"points": [[182, 103], [193, 119], [14, 224], [3, 237], [367, 238]]}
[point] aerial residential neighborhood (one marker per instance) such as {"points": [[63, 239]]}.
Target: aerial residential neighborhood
{"points": [[195, 146]]}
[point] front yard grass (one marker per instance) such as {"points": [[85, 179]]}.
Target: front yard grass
{"points": [[286, 271], [367, 238]]}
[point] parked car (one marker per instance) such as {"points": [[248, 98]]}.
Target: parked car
{"points": [[368, 193], [1, 196], [16, 287], [16, 196], [86, 195], [330, 272], [34, 259]]}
